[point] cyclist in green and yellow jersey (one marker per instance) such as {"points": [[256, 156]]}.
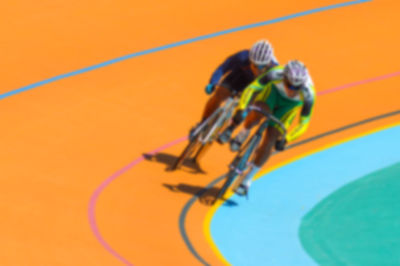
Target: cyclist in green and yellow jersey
{"points": [[283, 92]]}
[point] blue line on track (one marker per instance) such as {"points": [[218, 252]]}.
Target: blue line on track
{"points": [[176, 44]]}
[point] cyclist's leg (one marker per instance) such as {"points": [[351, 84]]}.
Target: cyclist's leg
{"points": [[254, 117], [221, 94], [236, 81], [265, 149]]}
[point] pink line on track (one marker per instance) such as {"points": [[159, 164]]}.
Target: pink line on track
{"points": [[357, 83], [99, 190]]}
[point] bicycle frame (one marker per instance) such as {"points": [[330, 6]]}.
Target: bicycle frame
{"points": [[239, 164], [206, 132], [226, 110]]}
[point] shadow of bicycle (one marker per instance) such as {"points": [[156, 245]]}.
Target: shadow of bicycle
{"points": [[188, 165]]}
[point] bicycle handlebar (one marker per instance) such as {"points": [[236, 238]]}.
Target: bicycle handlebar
{"points": [[268, 116]]}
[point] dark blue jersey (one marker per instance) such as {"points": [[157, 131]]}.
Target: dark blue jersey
{"points": [[236, 62]]}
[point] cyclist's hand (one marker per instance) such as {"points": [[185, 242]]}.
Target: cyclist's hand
{"points": [[210, 88], [280, 144]]}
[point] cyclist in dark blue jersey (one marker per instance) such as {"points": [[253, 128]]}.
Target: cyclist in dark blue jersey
{"points": [[237, 72]]}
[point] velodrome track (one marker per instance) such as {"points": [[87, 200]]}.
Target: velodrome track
{"points": [[89, 87]]}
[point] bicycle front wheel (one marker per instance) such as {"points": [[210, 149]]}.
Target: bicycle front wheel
{"points": [[238, 165], [231, 176]]}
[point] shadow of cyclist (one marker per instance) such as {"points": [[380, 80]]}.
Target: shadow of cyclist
{"points": [[169, 160]]}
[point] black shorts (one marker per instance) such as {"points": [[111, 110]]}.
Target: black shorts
{"points": [[238, 80]]}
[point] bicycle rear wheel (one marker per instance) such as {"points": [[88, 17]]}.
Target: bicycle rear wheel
{"points": [[189, 150], [201, 151]]}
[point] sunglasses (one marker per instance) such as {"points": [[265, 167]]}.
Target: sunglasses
{"points": [[290, 86], [294, 88]]}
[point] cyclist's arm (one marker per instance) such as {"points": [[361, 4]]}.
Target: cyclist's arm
{"points": [[238, 59], [305, 116], [299, 130]]}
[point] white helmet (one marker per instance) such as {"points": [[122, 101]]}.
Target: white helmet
{"points": [[296, 73], [261, 53]]}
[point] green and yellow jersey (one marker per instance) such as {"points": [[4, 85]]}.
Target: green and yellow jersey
{"points": [[270, 89]]}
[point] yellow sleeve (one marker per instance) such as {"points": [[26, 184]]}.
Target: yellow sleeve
{"points": [[248, 93], [305, 116], [299, 130]]}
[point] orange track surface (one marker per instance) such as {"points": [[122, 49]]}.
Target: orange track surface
{"points": [[60, 141]]}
